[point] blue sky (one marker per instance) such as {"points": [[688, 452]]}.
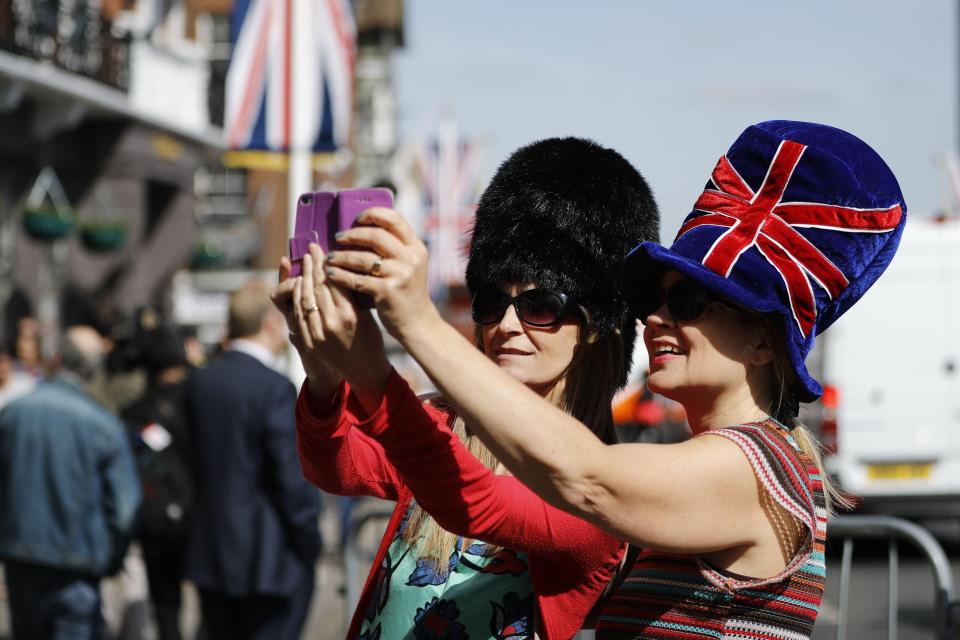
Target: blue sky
{"points": [[671, 84]]}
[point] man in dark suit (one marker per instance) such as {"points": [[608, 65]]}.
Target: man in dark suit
{"points": [[253, 542]]}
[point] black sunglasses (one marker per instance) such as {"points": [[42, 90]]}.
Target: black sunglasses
{"points": [[536, 307], [686, 301]]}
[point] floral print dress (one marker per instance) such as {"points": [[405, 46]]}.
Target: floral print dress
{"points": [[486, 594]]}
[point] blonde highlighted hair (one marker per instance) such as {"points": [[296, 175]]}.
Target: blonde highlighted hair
{"points": [[784, 406]]}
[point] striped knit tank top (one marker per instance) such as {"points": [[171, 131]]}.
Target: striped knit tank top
{"points": [[681, 596]]}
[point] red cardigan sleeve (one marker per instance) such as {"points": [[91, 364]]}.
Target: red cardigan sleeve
{"points": [[339, 458], [466, 498]]}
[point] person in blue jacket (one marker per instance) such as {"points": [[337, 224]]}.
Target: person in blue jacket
{"points": [[69, 495]]}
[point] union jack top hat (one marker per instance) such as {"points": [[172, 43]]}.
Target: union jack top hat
{"points": [[797, 220]]}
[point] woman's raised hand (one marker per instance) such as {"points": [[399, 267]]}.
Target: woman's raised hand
{"points": [[321, 375], [331, 336], [390, 264]]}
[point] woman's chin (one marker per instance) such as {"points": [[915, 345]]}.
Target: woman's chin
{"points": [[659, 383], [516, 371]]}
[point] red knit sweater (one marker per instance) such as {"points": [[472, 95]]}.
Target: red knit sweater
{"points": [[406, 448]]}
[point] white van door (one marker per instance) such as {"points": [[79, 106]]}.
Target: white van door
{"points": [[894, 359]]}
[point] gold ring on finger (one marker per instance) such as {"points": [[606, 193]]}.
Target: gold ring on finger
{"points": [[375, 267], [311, 309]]}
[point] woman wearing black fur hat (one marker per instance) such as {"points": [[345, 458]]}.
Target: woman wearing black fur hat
{"points": [[551, 231], [794, 225]]}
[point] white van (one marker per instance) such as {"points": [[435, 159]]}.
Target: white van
{"points": [[891, 372]]}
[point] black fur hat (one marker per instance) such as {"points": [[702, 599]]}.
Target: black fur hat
{"points": [[563, 213]]}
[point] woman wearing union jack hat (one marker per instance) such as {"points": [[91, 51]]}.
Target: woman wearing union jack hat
{"points": [[796, 221]]}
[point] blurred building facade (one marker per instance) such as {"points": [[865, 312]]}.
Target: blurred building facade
{"points": [[243, 216], [104, 123], [117, 189]]}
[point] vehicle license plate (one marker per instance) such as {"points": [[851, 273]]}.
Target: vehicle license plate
{"points": [[900, 471]]}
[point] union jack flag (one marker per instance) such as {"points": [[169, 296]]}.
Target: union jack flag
{"points": [[259, 79], [761, 219]]}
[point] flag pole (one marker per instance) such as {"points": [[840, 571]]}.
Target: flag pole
{"points": [[299, 170], [299, 176]]}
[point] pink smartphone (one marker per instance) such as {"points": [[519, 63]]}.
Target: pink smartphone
{"points": [[321, 214]]}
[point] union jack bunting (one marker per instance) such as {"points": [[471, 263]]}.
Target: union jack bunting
{"points": [[259, 79], [763, 220], [448, 170]]}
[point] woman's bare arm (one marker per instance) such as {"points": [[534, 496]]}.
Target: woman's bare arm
{"points": [[670, 497]]}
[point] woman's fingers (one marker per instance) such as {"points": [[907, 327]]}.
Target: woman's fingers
{"points": [[333, 316], [381, 241], [362, 262], [313, 291], [395, 278], [342, 299], [282, 294], [393, 269], [391, 221], [360, 283], [286, 267], [302, 330], [282, 298]]}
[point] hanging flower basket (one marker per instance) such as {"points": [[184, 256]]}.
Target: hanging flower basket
{"points": [[102, 236], [47, 224], [47, 214]]}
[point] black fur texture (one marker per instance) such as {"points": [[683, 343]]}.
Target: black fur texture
{"points": [[563, 213]]}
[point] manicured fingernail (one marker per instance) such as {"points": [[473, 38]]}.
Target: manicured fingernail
{"points": [[362, 217], [338, 235], [329, 271], [331, 255]]}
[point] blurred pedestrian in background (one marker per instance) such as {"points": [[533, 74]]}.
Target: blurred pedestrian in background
{"points": [[13, 383], [123, 379], [27, 350], [163, 451], [254, 537], [195, 350], [68, 497]]}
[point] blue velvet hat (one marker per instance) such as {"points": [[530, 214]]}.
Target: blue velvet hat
{"points": [[797, 220]]}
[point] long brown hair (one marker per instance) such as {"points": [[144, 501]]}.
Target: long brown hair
{"points": [[589, 382]]}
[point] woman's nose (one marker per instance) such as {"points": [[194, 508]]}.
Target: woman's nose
{"points": [[510, 322], [660, 317]]}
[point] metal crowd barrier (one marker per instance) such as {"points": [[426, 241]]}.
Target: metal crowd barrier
{"points": [[947, 607]]}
